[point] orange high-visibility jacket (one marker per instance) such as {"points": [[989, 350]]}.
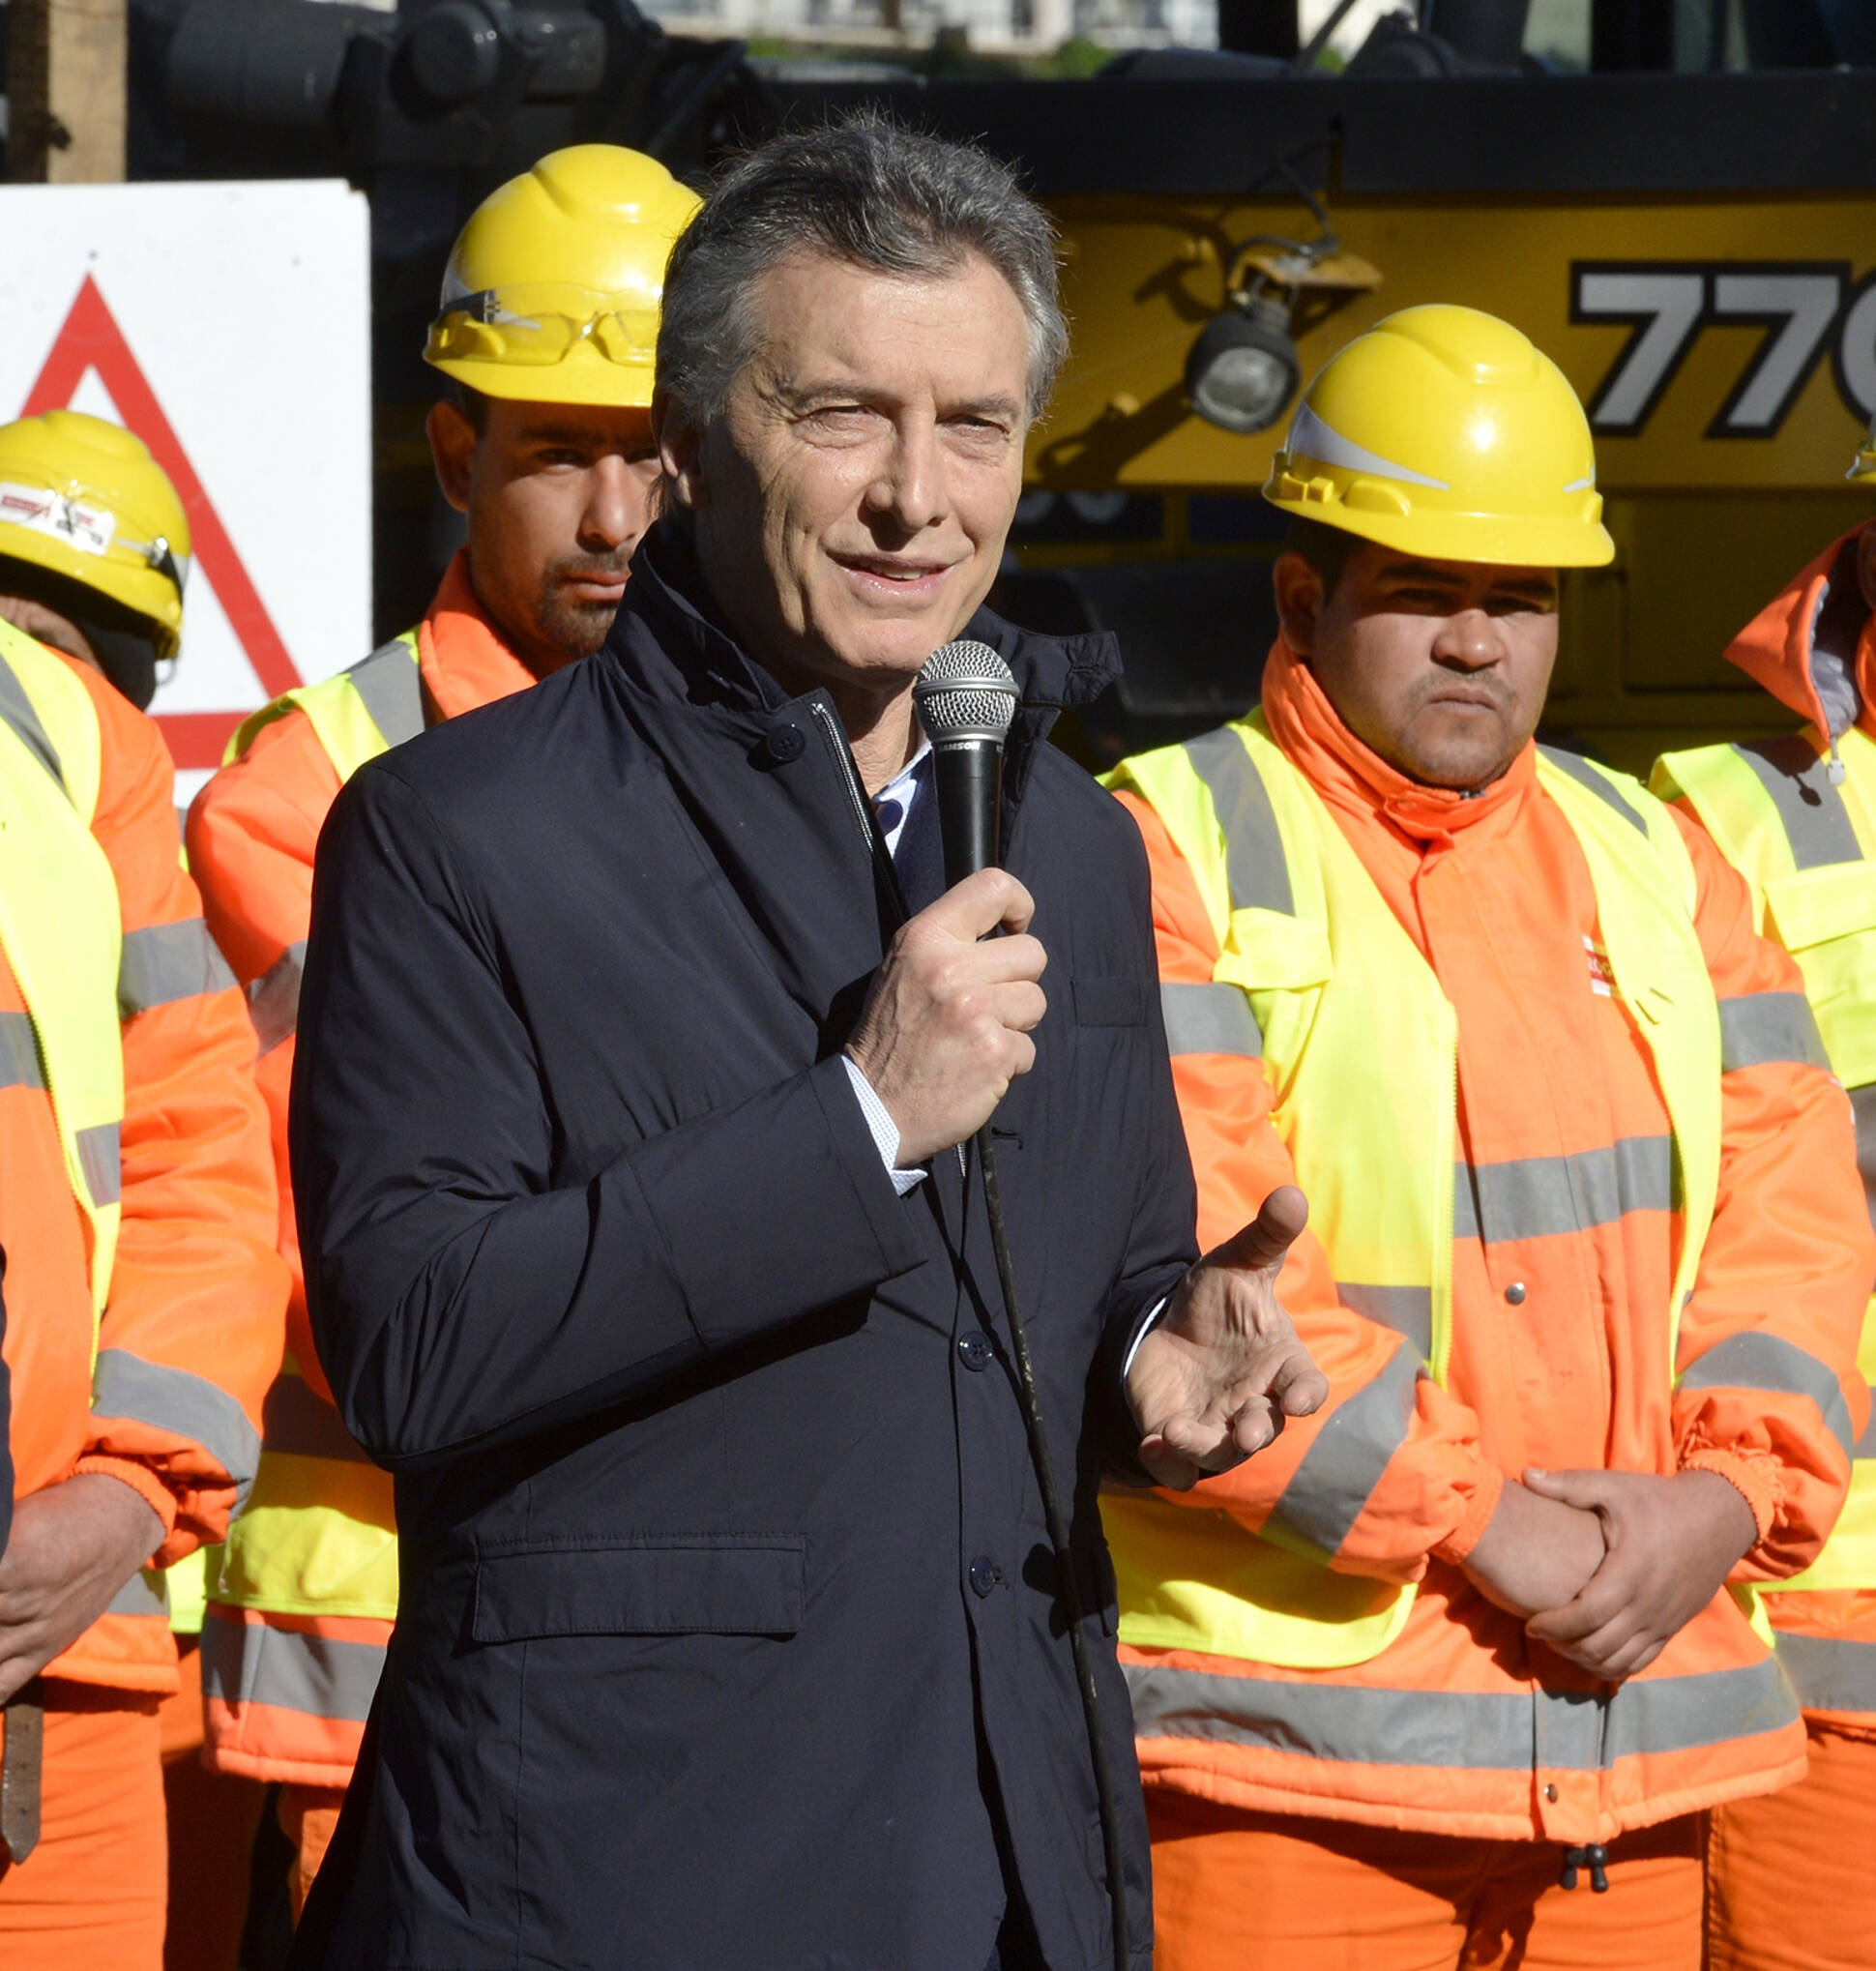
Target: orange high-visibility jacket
{"points": [[305, 1679], [192, 1333], [1563, 1263], [1819, 634]]}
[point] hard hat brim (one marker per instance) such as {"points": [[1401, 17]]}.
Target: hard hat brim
{"points": [[1494, 539], [142, 591], [592, 381]]}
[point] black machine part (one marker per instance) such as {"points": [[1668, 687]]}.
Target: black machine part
{"points": [[480, 86]]}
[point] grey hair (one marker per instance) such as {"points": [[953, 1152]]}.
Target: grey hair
{"points": [[863, 190]]}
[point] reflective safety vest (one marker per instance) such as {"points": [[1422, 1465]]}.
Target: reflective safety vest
{"points": [[358, 713], [61, 928], [1359, 1045], [1260, 1677], [1806, 846], [317, 1538]]}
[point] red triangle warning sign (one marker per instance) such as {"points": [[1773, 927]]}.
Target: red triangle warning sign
{"points": [[92, 340]]}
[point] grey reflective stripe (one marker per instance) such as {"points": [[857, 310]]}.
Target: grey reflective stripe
{"points": [[164, 962], [100, 1158], [173, 1400], [1863, 1105], [1810, 810], [17, 710], [273, 998], [1406, 1309], [1757, 1027], [140, 1596], [393, 692], [1209, 1019], [1829, 1673], [1585, 775], [1256, 869], [1465, 1203], [1534, 1198], [297, 1422], [1866, 1443], [1758, 1361], [20, 1063], [1341, 1470], [1561, 1730], [248, 1662]]}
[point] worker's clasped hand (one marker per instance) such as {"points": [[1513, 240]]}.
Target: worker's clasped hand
{"points": [[74, 1546], [1669, 1543], [1214, 1381]]}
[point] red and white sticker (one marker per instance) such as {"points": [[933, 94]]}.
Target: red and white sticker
{"points": [[1603, 980], [88, 529]]}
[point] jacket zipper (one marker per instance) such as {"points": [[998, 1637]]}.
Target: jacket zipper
{"points": [[836, 741]]}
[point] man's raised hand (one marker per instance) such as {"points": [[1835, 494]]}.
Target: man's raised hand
{"points": [[1216, 1379], [947, 1025]]}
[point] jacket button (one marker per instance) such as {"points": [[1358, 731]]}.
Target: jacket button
{"points": [[1550, 1791], [986, 1576], [786, 742], [1514, 1293], [975, 1348]]}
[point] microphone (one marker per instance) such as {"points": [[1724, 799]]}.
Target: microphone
{"points": [[966, 699]]}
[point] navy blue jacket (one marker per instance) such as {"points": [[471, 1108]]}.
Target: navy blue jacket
{"points": [[729, 1636]]}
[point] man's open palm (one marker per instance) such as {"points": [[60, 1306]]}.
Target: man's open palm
{"points": [[1216, 1379]]}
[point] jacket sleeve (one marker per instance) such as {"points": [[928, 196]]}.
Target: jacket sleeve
{"points": [[1389, 1473], [1161, 1246], [1767, 1390], [458, 1297], [252, 831], [191, 1335], [5, 1419]]}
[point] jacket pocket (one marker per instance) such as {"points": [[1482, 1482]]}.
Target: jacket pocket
{"points": [[1117, 1000], [677, 1584]]}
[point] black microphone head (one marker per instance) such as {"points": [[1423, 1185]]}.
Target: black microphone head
{"points": [[965, 693]]}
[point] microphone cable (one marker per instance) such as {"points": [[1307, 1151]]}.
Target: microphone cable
{"points": [[966, 699], [1059, 1541]]}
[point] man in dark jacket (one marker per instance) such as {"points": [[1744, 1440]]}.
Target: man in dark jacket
{"points": [[638, 1241]]}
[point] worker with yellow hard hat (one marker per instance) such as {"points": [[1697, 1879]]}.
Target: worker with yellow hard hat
{"points": [[138, 1210], [93, 546], [1788, 1882], [1447, 1676], [545, 332]]}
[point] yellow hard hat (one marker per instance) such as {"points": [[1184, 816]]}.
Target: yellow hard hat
{"points": [[84, 499], [553, 291], [1865, 469], [1445, 433]]}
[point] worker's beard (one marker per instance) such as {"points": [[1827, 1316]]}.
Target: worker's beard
{"points": [[566, 628]]}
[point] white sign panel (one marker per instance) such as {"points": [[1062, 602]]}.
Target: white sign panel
{"points": [[229, 326]]}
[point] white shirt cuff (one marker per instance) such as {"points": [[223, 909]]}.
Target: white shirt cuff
{"points": [[886, 1131], [1141, 1333]]}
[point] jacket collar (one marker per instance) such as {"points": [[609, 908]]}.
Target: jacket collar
{"points": [[464, 662], [668, 597], [1350, 775]]}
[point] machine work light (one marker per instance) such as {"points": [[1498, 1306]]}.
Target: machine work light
{"points": [[1243, 369]]}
